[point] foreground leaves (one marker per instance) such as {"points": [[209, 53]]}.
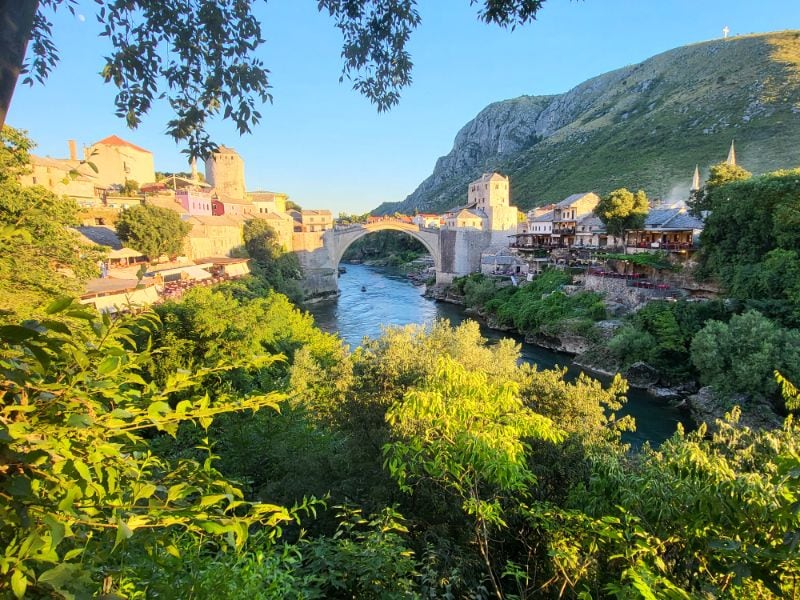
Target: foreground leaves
{"points": [[75, 462]]}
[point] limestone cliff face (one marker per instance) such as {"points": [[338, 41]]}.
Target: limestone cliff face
{"points": [[642, 126]]}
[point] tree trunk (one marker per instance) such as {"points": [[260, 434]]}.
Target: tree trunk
{"points": [[16, 26]]}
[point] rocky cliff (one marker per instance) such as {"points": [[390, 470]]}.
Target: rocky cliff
{"points": [[642, 126]]}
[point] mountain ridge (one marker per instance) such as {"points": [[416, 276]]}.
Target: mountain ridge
{"points": [[644, 126]]}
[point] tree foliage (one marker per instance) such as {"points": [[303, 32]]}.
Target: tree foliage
{"points": [[750, 242], [742, 355], [622, 210], [272, 266], [78, 477], [721, 173], [152, 230], [202, 55], [40, 257], [661, 333], [468, 436]]}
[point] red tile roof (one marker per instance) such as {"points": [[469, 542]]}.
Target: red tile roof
{"points": [[114, 140]]}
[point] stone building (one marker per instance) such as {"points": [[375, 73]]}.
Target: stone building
{"points": [[466, 219], [491, 195], [119, 161], [312, 221], [64, 177], [225, 172], [268, 202], [566, 215]]}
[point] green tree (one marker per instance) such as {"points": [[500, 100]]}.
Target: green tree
{"points": [[272, 265], [78, 477], [675, 523], [742, 355], [209, 66], [720, 174], [622, 210], [749, 243], [152, 230], [723, 173], [131, 188], [470, 437]]}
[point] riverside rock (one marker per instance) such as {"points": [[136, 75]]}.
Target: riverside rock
{"points": [[706, 407]]}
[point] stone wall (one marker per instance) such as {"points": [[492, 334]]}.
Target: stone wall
{"points": [[617, 291], [213, 240], [461, 251]]}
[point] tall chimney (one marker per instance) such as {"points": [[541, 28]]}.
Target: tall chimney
{"points": [[194, 169], [73, 150]]}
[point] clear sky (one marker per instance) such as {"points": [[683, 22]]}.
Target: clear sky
{"points": [[324, 144]]}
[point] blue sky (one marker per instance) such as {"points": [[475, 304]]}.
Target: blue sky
{"points": [[324, 144]]}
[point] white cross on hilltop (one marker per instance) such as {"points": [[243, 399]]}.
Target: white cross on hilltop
{"points": [[725, 31]]}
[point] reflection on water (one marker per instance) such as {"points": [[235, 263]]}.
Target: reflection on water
{"points": [[388, 298]]}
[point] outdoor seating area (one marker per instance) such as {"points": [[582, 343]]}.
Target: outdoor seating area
{"points": [[174, 290], [676, 246]]}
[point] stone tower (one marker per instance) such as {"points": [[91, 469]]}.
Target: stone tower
{"points": [[225, 172]]}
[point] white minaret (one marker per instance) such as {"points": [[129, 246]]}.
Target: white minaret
{"points": [[731, 155], [696, 179]]}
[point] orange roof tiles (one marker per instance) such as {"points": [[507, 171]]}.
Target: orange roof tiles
{"points": [[114, 140]]}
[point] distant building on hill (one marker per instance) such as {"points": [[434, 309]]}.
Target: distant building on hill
{"points": [[118, 161], [64, 177], [268, 202], [487, 202]]}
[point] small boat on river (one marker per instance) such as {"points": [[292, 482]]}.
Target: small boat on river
{"points": [[363, 288]]}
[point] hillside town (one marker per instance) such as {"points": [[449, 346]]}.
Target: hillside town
{"points": [[112, 175], [565, 365]]}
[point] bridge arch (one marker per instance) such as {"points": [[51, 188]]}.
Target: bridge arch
{"points": [[428, 238]]}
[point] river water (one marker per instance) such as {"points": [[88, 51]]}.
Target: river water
{"points": [[390, 299]]}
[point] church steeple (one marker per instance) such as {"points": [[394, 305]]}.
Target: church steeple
{"points": [[695, 179], [731, 155]]}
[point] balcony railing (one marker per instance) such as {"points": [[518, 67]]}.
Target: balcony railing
{"points": [[670, 246]]}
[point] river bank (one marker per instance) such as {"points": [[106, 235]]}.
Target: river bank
{"points": [[587, 351], [390, 299], [591, 347]]}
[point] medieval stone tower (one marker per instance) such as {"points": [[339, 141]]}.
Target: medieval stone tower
{"points": [[225, 172]]}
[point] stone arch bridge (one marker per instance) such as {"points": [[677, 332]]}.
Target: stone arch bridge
{"points": [[454, 252]]}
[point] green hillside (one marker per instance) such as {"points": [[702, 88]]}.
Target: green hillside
{"points": [[643, 126]]}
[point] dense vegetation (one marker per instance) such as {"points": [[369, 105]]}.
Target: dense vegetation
{"points": [[446, 469], [223, 447], [540, 306], [273, 268], [152, 230]]}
